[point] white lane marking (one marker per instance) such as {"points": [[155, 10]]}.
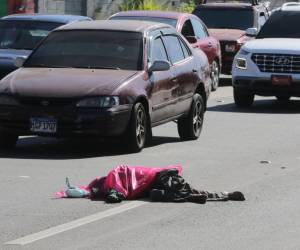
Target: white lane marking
{"points": [[24, 176], [74, 224]]}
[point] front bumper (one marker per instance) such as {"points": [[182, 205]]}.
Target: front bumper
{"points": [[70, 121], [264, 86]]}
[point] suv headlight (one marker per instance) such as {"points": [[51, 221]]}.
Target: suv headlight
{"points": [[99, 102], [241, 63], [6, 100]]}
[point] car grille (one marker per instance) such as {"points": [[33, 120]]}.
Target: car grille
{"points": [[277, 63], [38, 101]]}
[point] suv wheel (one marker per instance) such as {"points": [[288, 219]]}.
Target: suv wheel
{"points": [[215, 75], [137, 131], [243, 99], [7, 141], [189, 128], [283, 98]]}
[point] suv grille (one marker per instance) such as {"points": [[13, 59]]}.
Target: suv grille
{"points": [[277, 63]]}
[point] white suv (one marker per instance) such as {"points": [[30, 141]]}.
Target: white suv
{"points": [[270, 64]]}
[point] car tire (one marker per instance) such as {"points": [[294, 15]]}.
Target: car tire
{"points": [[283, 98], [137, 131], [7, 141], [189, 127], [215, 75], [243, 99]]}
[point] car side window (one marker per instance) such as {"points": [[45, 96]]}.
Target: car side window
{"points": [[173, 48], [200, 30], [186, 51], [187, 29], [158, 52]]}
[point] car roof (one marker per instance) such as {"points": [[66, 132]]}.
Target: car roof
{"points": [[47, 18], [120, 25], [228, 6], [163, 14], [291, 6]]}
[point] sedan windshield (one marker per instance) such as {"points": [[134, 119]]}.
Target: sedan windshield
{"points": [[281, 24], [23, 34], [241, 19], [170, 21], [90, 49]]}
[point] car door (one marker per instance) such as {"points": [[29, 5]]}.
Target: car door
{"points": [[205, 42], [164, 85], [182, 60]]}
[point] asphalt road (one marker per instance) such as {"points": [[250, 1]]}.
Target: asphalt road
{"points": [[226, 157]]}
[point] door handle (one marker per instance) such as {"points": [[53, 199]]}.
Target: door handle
{"points": [[195, 71]]}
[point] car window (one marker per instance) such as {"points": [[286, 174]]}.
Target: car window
{"points": [[186, 51], [199, 29], [281, 24], [90, 49], [24, 34], [187, 29], [173, 48], [158, 51], [219, 18]]}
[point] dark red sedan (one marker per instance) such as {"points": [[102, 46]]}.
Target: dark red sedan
{"points": [[191, 27]]}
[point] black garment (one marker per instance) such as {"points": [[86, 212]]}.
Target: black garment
{"points": [[169, 186]]}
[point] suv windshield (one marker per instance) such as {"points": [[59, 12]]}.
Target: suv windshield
{"points": [[23, 34], [170, 21], [90, 49], [225, 18], [281, 24]]}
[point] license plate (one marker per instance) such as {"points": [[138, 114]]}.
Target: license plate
{"points": [[43, 125], [281, 80]]}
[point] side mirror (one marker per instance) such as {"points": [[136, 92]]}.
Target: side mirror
{"points": [[252, 32], [191, 39], [159, 66], [19, 61]]}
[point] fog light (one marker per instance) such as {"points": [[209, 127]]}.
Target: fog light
{"points": [[241, 63]]}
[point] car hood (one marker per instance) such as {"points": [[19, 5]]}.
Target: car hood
{"points": [[63, 82], [8, 56], [227, 34], [273, 45]]}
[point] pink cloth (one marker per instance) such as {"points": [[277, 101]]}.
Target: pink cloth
{"points": [[131, 181]]}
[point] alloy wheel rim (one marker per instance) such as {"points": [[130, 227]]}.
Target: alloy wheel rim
{"points": [[197, 118], [140, 127], [215, 74]]}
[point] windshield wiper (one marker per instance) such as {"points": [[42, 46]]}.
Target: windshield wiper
{"points": [[102, 67]]}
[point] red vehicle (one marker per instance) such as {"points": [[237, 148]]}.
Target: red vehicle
{"points": [[191, 27]]}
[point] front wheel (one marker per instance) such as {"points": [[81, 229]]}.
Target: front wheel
{"points": [[189, 128], [137, 130], [215, 75], [7, 141], [243, 99]]}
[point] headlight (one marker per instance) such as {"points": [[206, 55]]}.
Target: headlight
{"points": [[99, 102], [8, 101], [241, 63], [230, 47]]}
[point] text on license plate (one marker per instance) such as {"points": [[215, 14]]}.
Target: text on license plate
{"points": [[43, 125]]}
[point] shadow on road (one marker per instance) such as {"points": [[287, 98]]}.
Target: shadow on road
{"points": [[57, 149], [271, 106]]}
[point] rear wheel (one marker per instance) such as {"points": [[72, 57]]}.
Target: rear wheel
{"points": [[136, 133], [283, 98], [189, 128], [215, 75], [7, 141], [243, 99]]}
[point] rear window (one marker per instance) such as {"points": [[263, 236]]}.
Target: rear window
{"points": [[281, 24], [170, 21], [225, 18], [90, 49], [23, 34]]}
